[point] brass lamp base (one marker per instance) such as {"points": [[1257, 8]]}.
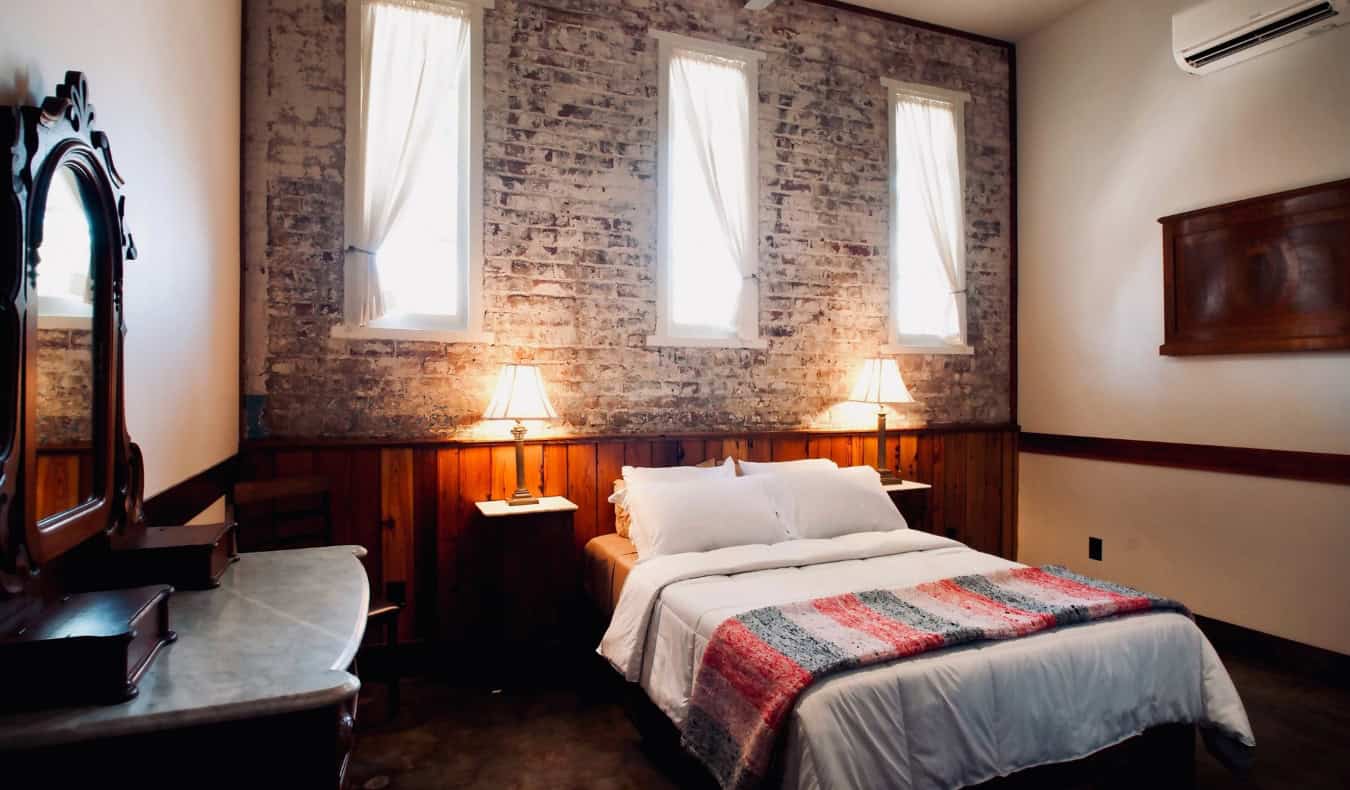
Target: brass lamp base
{"points": [[888, 477], [522, 495]]}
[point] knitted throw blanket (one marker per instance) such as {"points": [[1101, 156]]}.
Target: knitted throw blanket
{"points": [[757, 664]]}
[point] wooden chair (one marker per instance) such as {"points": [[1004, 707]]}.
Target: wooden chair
{"points": [[301, 516]]}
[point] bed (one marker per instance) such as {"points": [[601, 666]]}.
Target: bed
{"points": [[953, 718]]}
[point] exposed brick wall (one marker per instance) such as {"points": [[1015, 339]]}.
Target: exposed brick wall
{"points": [[570, 225], [65, 387]]}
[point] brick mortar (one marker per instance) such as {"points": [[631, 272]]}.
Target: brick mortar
{"points": [[569, 225]]}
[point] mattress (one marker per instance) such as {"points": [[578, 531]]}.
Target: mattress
{"points": [[946, 719], [607, 561]]}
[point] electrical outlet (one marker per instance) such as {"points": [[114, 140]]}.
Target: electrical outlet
{"points": [[1095, 549]]}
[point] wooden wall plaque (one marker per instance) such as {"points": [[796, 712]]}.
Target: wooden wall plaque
{"points": [[1260, 275]]}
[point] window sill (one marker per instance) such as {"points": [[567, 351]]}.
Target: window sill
{"points": [[904, 348], [65, 322], [664, 341], [348, 332]]}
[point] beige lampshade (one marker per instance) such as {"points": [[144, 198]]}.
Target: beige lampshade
{"points": [[520, 395], [880, 382]]}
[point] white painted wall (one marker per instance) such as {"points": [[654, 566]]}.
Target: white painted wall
{"points": [[164, 77], [1112, 135]]}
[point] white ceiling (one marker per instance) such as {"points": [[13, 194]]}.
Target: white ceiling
{"points": [[1005, 19]]}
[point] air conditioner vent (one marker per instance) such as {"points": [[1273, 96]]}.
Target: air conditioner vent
{"points": [[1268, 32]]}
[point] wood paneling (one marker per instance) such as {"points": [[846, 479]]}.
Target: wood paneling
{"points": [[447, 534], [59, 487], [361, 492], [426, 521], [475, 485], [695, 451], [789, 449], [1288, 464], [609, 465], [412, 504], [584, 490], [397, 538], [1011, 442]]}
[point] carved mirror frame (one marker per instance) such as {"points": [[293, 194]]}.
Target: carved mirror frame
{"points": [[40, 141]]}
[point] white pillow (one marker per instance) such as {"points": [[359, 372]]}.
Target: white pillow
{"points": [[829, 503], [703, 514], [764, 468], [634, 476], [637, 476]]}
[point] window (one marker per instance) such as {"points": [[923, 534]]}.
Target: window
{"points": [[64, 286], [414, 171], [708, 176], [928, 226]]}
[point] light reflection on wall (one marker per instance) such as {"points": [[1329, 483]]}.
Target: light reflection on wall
{"points": [[847, 415]]}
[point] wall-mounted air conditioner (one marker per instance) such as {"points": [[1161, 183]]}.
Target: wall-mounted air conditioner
{"points": [[1216, 34]]}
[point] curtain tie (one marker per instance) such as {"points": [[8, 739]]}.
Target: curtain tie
{"points": [[354, 248]]}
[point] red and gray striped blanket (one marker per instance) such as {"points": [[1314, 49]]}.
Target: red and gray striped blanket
{"points": [[758, 663]]}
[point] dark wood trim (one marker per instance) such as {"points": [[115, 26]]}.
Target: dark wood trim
{"points": [[1012, 234], [1182, 348], [1258, 200], [180, 503], [241, 375], [1285, 655], [904, 20], [1287, 464], [319, 442]]}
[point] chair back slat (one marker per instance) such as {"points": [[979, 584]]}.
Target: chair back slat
{"points": [[288, 512], [256, 492]]}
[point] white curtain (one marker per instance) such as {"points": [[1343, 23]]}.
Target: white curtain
{"points": [[708, 197], [929, 232], [413, 66], [64, 284]]}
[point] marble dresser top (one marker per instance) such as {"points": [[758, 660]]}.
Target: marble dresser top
{"points": [[276, 637]]}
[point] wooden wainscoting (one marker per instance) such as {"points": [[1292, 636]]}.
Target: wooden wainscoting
{"points": [[65, 478], [412, 504]]}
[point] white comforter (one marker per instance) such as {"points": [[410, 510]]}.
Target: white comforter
{"points": [[945, 719]]}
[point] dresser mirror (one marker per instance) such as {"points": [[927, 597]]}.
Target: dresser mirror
{"points": [[67, 469], [65, 401]]}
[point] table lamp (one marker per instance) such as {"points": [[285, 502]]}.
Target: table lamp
{"points": [[880, 384], [520, 396]]}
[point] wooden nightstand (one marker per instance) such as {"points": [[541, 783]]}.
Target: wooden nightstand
{"points": [[911, 498], [528, 575]]}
